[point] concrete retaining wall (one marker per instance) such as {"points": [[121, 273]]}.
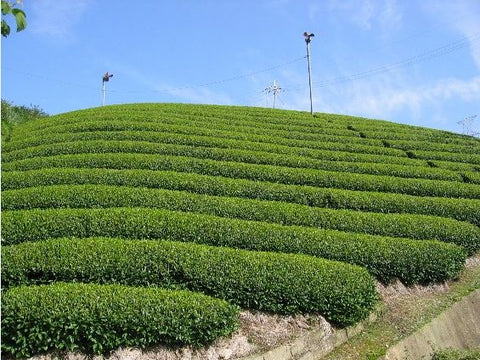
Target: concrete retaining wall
{"points": [[457, 327], [313, 345]]}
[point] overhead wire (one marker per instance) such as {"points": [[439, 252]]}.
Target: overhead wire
{"points": [[425, 56]]}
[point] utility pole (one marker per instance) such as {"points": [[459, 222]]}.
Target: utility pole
{"points": [[308, 38], [467, 125], [105, 79], [273, 89]]}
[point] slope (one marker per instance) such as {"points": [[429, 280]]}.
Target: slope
{"points": [[263, 209]]}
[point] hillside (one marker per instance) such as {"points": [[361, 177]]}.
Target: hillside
{"points": [[224, 208]]}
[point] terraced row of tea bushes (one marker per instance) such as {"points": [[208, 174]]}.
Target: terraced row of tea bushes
{"points": [[274, 282], [471, 177], [326, 143], [234, 116], [460, 209], [386, 258], [434, 146], [446, 156], [257, 126], [396, 225], [14, 150], [244, 156], [426, 135], [237, 170], [100, 318], [454, 166], [216, 124]]}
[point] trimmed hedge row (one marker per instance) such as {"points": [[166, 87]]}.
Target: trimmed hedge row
{"points": [[446, 156], [386, 258], [221, 154], [16, 149], [99, 318], [229, 118], [434, 146], [285, 175], [326, 143], [454, 166], [168, 119], [274, 282], [98, 196], [471, 177], [460, 209]]}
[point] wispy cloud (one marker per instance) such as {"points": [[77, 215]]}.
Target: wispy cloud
{"points": [[465, 20], [56, 18], [145, 84], [392, 99], [368, 14]]}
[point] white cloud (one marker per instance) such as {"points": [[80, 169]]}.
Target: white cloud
{"points": [[422, 105], [462, 17], [368, 14], [56, 18]]}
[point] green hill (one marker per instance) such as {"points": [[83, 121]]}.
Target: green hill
{"points": [[133, 225]]}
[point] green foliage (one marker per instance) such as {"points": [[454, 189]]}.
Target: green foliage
{"points": [[13, 115], [436, 146], [168, 136], [457, 354], [245, 204], [386, 258], [448, 156], [272, 282], [99, 318], [285, 138], [240, 170], [97, 196], [19, 15], [460, 209], [237, 155]]}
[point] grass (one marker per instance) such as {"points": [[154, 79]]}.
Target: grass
{"points": [[404, 315]]}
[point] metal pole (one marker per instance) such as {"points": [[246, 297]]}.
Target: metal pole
{"points": [[308, 38], [309, 75], [103, 91]]}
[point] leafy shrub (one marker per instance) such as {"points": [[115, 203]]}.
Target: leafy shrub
{"points": [[447, 156], [457, 354], [285, 175], [274, 282], [397, 225], [238, 155], [460, 209], [169, 137], [99, 318], [386, 258], [325, 142], [434, 146], [471, 177]]}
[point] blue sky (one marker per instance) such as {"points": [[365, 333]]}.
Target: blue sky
{"points": [[409, 61]]}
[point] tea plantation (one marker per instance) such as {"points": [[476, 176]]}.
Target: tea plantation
{"points": [[134, 225]]}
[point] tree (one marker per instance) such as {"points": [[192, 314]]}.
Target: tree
{"points": [[20, 16]]}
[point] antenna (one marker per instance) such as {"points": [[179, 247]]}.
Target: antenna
{"points": [[308, 38], [105, 79], [275, 89], [467, 125]]}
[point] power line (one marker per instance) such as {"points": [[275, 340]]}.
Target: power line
{"points": [[434, 53]]}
